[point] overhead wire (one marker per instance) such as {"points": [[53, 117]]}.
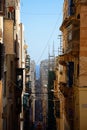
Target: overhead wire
{"points": [[48, 40], [51, 32], [49, 37], [27, 13]]}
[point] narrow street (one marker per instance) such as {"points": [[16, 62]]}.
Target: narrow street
{"points": [[43, 65]]}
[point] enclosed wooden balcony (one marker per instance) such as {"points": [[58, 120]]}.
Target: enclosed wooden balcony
{"points": [[64, 58], [72, 48], [19, 80], [64, 89], [28, 87], [71, 35]]}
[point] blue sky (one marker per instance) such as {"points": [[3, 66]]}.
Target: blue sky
{"points": [[41, 19]]}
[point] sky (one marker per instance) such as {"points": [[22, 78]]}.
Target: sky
{"points": [[42, 20]]}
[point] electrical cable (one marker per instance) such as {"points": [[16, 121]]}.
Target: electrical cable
{"points": [[26, 13], [50, 34], [48, 40]]}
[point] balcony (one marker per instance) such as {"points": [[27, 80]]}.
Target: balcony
{"points": [[72, 48], [66, 79], [63, 59], [64, 89], [28, 87], [19, 80], [26, 101], [72, 38], [27, 63]]}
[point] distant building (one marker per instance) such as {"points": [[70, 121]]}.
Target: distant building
{"points": [[33, 79], [44, 87], [37, 72], [44, 73]]}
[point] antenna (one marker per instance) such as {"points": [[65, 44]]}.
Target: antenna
{"points": [[53, 49], [51, 60]]}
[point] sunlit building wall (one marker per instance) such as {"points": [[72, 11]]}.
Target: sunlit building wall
{"points": [[22, 52], [81, 13], [22, 47], [73, 62], [58, 96], [11, 109], [22, 57]]}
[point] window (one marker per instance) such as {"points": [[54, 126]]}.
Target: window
{"points": [[69, 32], [71, 7], [11, 70], [19, 74], [77, 70], [57, 109], [70, 73], [4, 94], [1, 5]]}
